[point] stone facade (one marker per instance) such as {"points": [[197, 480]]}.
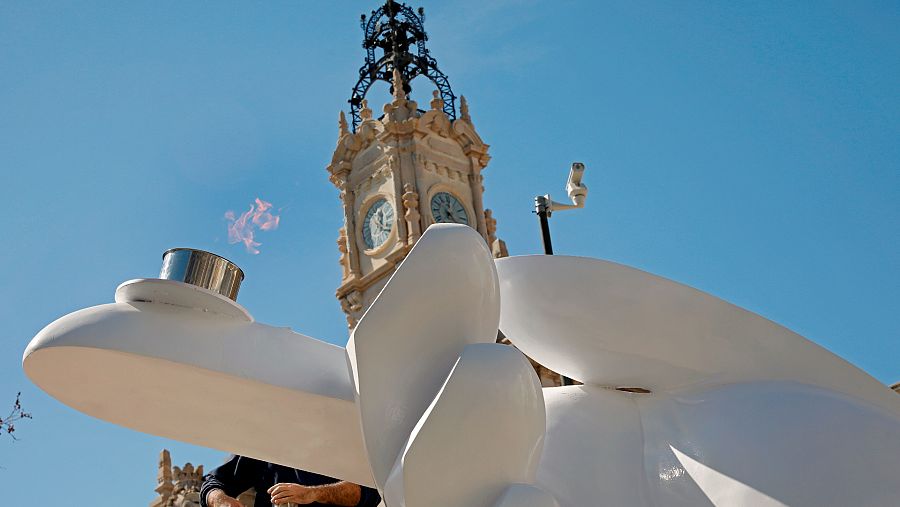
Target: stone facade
{"points": [[180, 486], [406, 157]]}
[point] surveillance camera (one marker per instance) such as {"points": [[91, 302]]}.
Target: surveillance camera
{"points": [[575, 174], [576, 190]]}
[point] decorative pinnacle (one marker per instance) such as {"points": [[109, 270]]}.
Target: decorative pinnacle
{"points": [[399, 93], [437, 102], [343, 128], [464, 108]]}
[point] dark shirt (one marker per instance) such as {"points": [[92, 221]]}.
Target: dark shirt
{"points": [[240, 473]]}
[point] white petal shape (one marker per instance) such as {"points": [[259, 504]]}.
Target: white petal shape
{"points": [[443, 297], [760, 443], [525, 495], [206, 379], [769, 443], [607, 324], [721, 489], [593, 449], [483, 432]]}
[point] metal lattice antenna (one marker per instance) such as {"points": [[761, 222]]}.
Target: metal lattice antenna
{"points": [[395, 28]]}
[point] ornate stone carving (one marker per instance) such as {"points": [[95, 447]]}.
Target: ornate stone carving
{"points": [[491, 225], [411, 204], [180, 486], [393, 161], [417, 150], [400, 114], [354, 299], [464, 109], [187, 486], [345, 307], [164, 480], [351, 304], [437, 103], [464, 133], [344, 259], [498, 246], [365, 113], [435, 119], [397, 85], [343, 128], [349, 221]]}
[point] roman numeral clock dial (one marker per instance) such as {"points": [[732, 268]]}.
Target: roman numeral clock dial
{"points": [[446, 208]]}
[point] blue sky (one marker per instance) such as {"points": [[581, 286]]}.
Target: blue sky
{"points": [[748, 149]]}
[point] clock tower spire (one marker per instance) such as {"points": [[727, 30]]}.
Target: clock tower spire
{"points": [[406, 169]]}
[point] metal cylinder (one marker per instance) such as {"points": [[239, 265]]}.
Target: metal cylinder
{"points": [[203, 269]]}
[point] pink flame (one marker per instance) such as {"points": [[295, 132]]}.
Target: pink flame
{"points": [[240, 230]]}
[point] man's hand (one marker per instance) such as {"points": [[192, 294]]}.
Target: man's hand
{"points": [[286, 492], [339, 493], [218, 498]]}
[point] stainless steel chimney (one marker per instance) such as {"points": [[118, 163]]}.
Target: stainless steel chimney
{"points": [[203, 269]]}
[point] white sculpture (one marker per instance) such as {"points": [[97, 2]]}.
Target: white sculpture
{"points": [[723, 407]]}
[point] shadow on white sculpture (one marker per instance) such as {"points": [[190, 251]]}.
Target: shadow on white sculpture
{"points": [[422, 403]]}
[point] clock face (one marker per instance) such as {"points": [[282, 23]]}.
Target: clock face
{"points": [[445, 208], [377, 224]]}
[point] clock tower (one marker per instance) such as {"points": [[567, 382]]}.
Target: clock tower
{"points": [[405, 169]]}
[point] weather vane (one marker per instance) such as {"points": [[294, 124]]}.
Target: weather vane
{"points": [[399, 33]]}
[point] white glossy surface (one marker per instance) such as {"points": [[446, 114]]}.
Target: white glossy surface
{"points": [[172, 292], [769, 443], [743, 411], [136, 364], [443, 297], [720, 488], [474, 415], [753, 444], [593, 448], [610, 325], [525, 495]]}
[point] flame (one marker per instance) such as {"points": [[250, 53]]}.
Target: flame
{"points": [[241, 229]]}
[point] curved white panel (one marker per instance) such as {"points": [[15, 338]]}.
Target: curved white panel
{"points": [[482, 433], [443, 297], [607, 324], [743, 411], [593, 448], [524, 495], [721, 489], [172, 292], [770, 443], [235, 385]]}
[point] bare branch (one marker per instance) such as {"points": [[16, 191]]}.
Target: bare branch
{"points": [[7, 424]]}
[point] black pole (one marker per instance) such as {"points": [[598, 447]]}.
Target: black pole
{"points": [[542, 208]]}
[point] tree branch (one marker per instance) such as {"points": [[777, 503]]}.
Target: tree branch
{"points": [[7, 424]]}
